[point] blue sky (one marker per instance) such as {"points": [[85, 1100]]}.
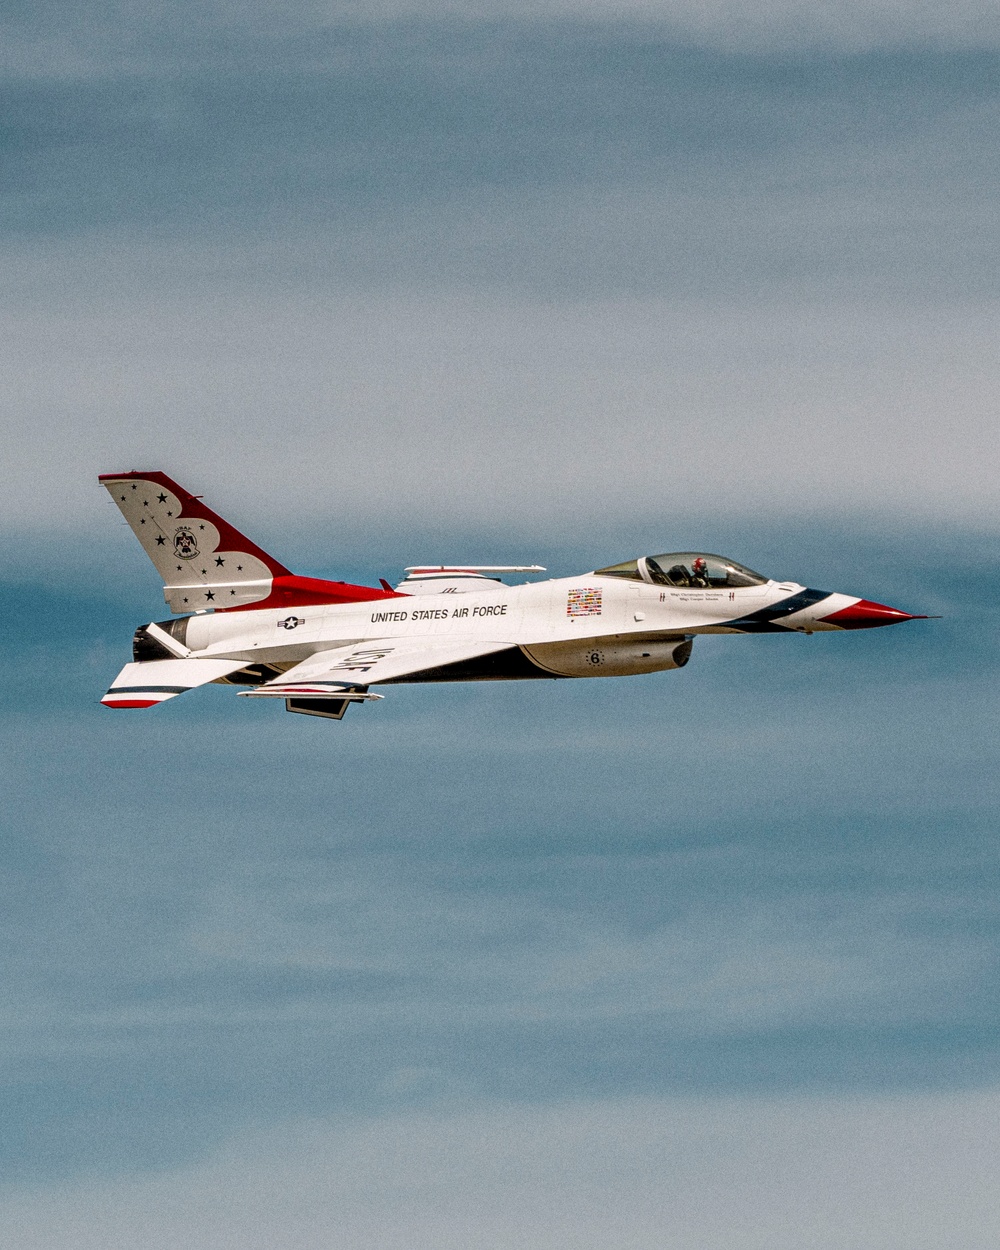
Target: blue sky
{"points": [[703, 959]]}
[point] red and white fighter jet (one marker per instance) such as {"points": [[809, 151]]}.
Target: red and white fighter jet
{"points": [[245, 620]]}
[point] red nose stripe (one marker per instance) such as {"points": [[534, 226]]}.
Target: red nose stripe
{"points": [[864, 615]]}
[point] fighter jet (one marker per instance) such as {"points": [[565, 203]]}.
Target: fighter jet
{"points": [[243, 619]]}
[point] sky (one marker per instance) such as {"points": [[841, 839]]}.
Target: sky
{"points": [[704, 959]]}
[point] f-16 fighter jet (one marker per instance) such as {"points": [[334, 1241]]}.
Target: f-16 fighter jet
{"points": [[244, 619]]}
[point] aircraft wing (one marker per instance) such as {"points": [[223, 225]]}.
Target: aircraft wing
{"points": [[329, 673]]}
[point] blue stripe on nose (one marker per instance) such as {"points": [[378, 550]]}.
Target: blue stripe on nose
{"points": [[766, 620]]}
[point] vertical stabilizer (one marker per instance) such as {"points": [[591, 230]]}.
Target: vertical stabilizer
{"points": [[203, 560]]}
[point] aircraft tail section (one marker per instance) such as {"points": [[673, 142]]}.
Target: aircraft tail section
{"points": [[205, 562]]}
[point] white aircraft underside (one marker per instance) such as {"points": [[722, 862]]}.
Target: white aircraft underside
{"points": [[321, 645]]}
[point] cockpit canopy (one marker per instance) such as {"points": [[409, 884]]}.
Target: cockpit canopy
{"points": [[686, 568]]}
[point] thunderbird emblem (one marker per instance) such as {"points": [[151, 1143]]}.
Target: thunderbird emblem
{"points": [[185, 544]]}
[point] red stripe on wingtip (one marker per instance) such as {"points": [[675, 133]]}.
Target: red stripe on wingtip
{"points": [[130, 702]]}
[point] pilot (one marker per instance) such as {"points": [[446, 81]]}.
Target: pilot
{"points": [[699, 572]]}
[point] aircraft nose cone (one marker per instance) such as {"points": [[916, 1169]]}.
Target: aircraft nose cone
{"points": [[865, 615]]}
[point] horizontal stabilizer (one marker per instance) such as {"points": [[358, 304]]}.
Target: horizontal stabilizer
{"points": [[154, 681]]}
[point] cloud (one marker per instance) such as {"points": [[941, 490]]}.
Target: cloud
{"points": [[463, 272], [499, 291], [748, 1174], [42, 39], [771, 871], [378, 415], [360, 124]]}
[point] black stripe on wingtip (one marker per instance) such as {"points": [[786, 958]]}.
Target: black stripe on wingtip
{"points": [[148, 690]]}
